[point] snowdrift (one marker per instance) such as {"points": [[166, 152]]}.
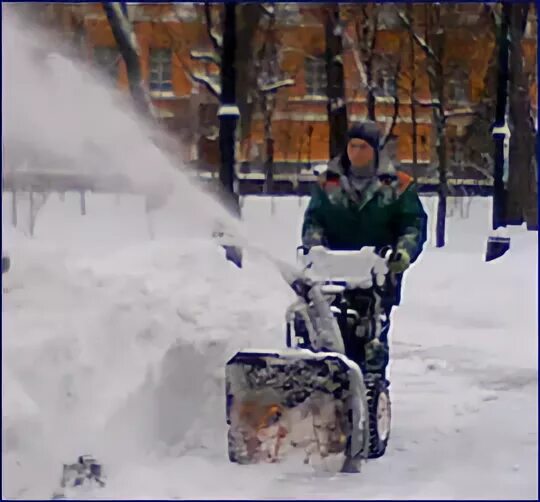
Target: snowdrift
{"points": [[119, 351]]}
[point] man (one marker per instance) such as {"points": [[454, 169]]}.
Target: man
{"points": [[364, 201]]}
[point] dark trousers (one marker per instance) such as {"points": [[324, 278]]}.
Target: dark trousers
{"points": [[366, 339]]}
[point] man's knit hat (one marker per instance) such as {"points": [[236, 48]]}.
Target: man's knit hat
{"points": [[368, 131]]}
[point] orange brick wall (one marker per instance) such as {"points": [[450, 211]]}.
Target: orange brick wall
{"points": [[468, 48]]}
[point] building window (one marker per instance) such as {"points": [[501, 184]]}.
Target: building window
{"points": [[387, 17], [107, 59], [269, 72], [160, 70], [457, 86], [456, 92], [315, 73], [185, 12], [287, 13], [456, 151], [385, 83]]}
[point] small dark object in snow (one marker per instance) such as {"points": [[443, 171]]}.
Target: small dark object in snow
{"points": [[85, 472], [496, 247], [6, 263], [234, 255]]}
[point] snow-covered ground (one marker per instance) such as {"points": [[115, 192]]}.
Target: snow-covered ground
{"points": [[114, 343]]}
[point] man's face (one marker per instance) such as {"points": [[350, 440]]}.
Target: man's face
{"points": [[360, 153]]}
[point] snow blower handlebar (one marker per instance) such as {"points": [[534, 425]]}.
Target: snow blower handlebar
{"points": [[327, 273], [386, 252], [350, 268]]}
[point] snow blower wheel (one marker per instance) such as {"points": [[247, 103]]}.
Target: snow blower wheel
{"points": [[231, 447], [380, 414]]}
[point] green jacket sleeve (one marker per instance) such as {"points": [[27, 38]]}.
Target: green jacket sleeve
{"points": [[313, 228], [411, 223]]}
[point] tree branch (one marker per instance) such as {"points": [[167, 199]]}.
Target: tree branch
{"points": [[274, 86], [464, 113], [206, 56], [432, 103], [482, 170], [417, 38], [267, 9], [216, 40], [396, 107], [374, 32], [350, 45], [213, 87]]}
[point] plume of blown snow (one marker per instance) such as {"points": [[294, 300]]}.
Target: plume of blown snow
{"points": [[60, 115]]}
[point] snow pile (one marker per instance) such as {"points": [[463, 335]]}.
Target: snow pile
{"points": [[124, 355], [121, 352]]}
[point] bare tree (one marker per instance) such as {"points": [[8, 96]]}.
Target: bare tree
{"points": [[129, 49], [222, 35], [259, 76], [477, 140], [522, 181], [249, 17], [335, 80], [36, 201], [375, 67], [270, 79], [366, 30], [476, 145], [433, 45], [412, 94]]}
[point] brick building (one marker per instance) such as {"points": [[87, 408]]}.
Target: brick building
{"points": [[169, 33]]}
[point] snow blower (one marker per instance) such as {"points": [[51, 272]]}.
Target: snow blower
{"points": [[309, 402]]}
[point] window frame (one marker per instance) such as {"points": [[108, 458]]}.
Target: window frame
{"points": [[315, 79], [160, 70]]}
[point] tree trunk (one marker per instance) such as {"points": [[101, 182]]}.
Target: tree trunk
{"points": [[414, 141], [336, 107], [248, 21], [128, 47], [269, 146], [436, 82], [83, 202], [500, 120], [478, 140], [370, 94], [32, 213], [443, 185], [522, 193], [14, 207], [412, 64]]}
